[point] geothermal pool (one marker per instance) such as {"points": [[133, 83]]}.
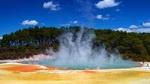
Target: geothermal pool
{"points": [[76, 51]]}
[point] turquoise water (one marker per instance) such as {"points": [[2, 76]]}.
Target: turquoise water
{"points": [[115, 65]]}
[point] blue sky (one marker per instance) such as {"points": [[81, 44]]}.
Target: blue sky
{"points": [[113, 14]]}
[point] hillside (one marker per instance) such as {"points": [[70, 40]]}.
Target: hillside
{"points": [[32, 41]]}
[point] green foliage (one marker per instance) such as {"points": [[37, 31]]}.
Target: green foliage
{"points": [[31, 41]]}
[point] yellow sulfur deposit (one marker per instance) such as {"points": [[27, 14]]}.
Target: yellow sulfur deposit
{"points": [[47, 75]]}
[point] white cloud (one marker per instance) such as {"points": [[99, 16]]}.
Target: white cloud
{"points": [[74, 22], [30, 22], [50, 5], [101, 17], [146, 24], [133, 26], [106, 4], [1, 37]]}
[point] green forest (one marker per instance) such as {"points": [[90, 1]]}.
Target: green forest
{"points": [[32, 41]]}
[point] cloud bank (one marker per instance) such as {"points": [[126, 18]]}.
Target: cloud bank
{"points": [[143, 28], [137, 30], [146, 24]]}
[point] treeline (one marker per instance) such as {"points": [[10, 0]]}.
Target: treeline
{"points": [[32, 41]]}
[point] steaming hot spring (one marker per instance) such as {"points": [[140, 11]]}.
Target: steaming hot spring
{"points": [[77, 61], [76, 51]]}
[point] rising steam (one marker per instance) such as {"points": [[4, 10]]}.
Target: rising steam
{"points": [[76, 52]]}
